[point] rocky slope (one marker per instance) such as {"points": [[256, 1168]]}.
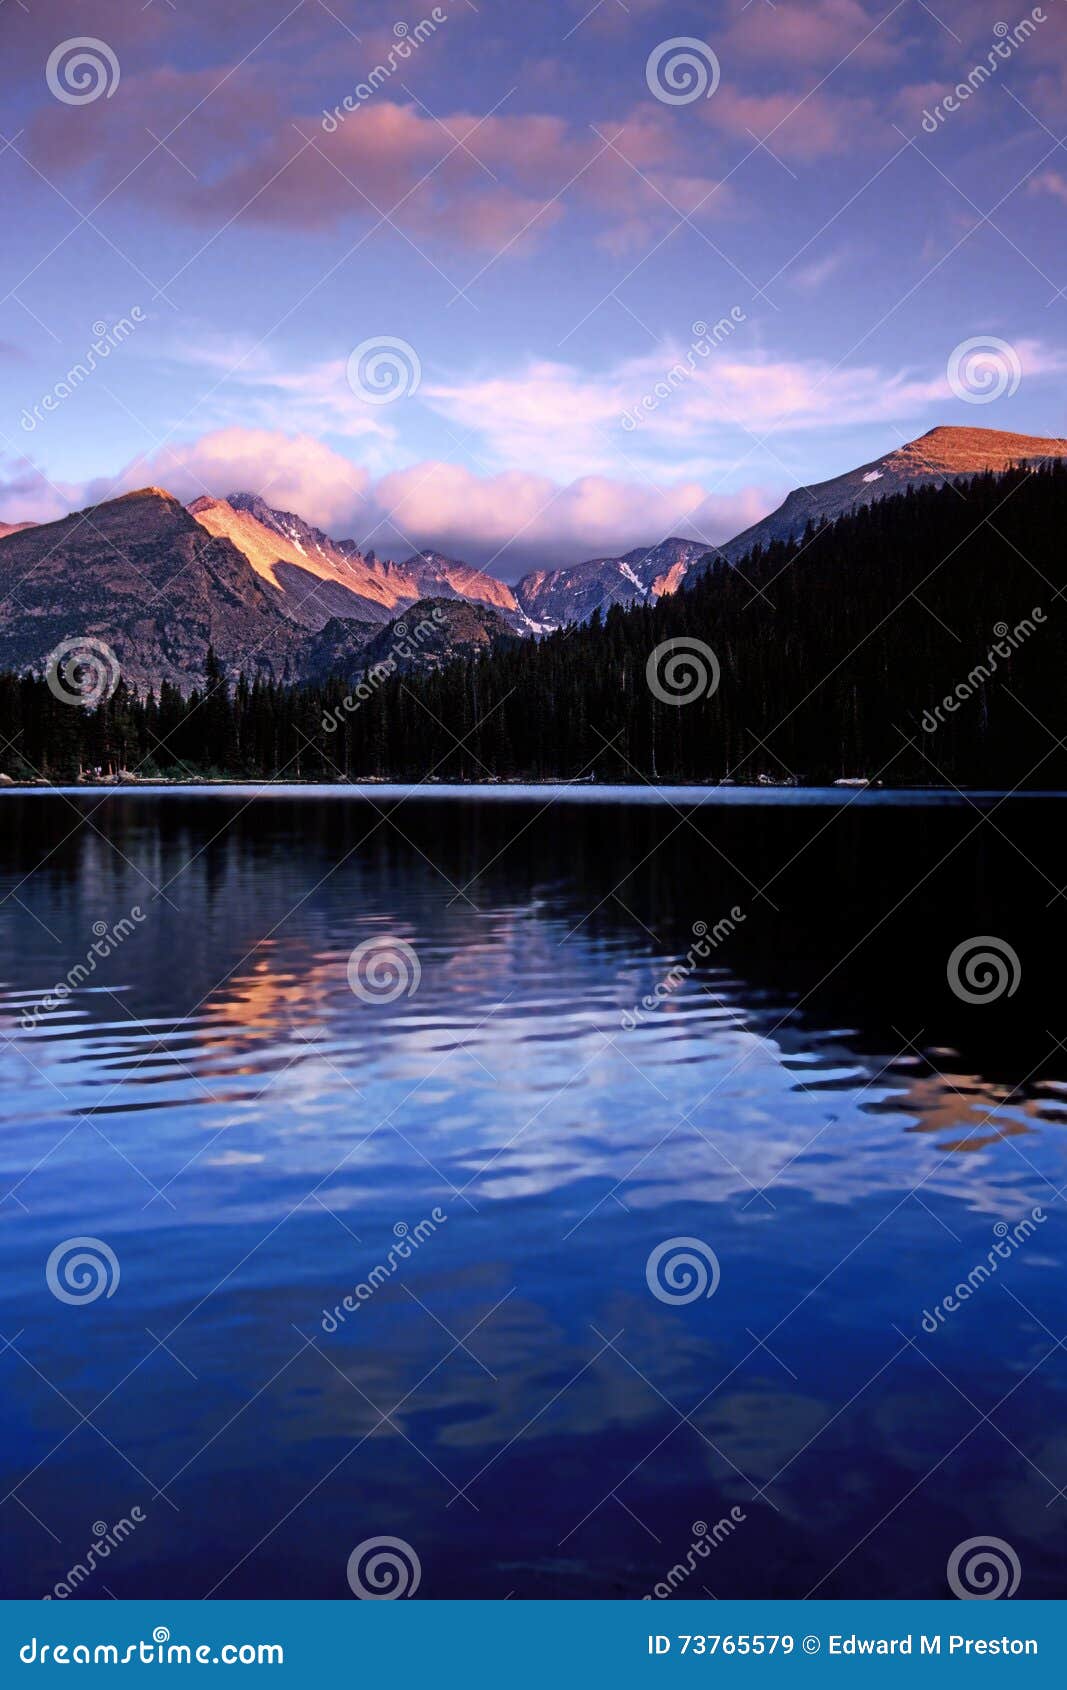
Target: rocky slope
{"points": [[435, 630], [142, 575], [320, 577], [434, 574], [314, 577], [553, 597], [428, 634], [944, 454]]}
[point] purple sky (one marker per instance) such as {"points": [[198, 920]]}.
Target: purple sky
{"points": [[509, 196]]}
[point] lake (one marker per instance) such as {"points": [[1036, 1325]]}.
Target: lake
{"points": [[572, 1184]]}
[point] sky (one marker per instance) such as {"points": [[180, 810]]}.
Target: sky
{"points": [[525, 282]]}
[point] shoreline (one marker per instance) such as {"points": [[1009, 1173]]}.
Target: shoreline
{"points": [[734, 791]]}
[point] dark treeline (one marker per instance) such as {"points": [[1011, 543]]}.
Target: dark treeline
{"points": [[836, 656]]}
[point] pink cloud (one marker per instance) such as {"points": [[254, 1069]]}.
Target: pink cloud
{"points": [[814, 32], [515, 519], [27, 495], [1049, 182], [491, 183], [510, 520], [795, 124], [292, 472]]}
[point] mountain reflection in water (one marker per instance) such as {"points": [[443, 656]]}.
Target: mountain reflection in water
{"points": [[811, 1101]]}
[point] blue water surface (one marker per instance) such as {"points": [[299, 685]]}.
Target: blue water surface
{"points": [[497, 1160]]}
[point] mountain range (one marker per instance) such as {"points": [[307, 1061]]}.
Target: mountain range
{"points": [[162, 583], [943, 454]]}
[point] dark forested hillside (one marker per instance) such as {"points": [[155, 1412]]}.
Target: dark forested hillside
{"points": [[920, 639]]}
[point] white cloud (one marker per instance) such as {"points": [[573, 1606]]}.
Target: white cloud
{"points": [[516, 520], [292, 472], [512, 520], [559, 421], [253, 388], [561, 477]]}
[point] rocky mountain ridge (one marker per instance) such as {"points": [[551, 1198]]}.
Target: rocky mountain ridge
{"points": [[145, 580], [552, 598], [943, 454], [319, 576], [276, 596]]}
